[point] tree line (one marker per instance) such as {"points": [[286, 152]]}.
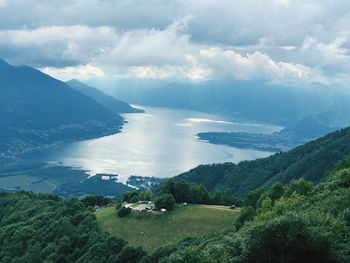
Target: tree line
{"points": [[173, 191]]}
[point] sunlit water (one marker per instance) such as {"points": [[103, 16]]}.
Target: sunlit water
{"points": [[161, 143]]}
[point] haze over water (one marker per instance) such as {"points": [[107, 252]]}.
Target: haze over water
{"points": [[161, 142]]}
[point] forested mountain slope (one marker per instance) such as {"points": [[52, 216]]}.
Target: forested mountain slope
{"points": [[36, 109], [303, 227], [309, 161], [107, 101], [43, 228]]}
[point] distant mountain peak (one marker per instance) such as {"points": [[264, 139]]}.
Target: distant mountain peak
{"points": [[72, 81], [107, 101]]}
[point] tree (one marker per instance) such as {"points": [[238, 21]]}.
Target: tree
{"points": [[188, 255], [276, 191], [166, 201], [247, 214], [134, 199], [228, 198], [146, 195], [124, 211], [215, 198], [300, 186], [285, 239], [252, 198], [127, 196], [130, 255], [180, 190], [100, 200], [198, 194]]}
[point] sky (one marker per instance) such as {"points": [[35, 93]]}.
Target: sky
{"points": [[293, 41]]}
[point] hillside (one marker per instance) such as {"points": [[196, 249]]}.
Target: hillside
{"points": [[107, 101], [298, 227], [43, 228], [153, 230], [36, 109], [310, 161]]}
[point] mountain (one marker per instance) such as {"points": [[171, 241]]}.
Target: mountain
{"points": [[310, 161], [36, 109], [302, 224], [45, 228], [107, 101], [257, 101]]}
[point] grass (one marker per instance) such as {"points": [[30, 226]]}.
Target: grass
{"points": [[153, 230]]}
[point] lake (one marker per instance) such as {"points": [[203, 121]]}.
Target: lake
{"points": [[161, 142]]}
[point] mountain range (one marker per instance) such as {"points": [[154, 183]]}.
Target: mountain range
{"points": [[107, 101], [36, 110], [310, 111]]}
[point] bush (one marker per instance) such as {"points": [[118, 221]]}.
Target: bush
{"points": [[124, 211], [247, 214], [166, 201], [118, 206]]}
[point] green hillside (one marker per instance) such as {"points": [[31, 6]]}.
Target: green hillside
{"points": [[43, 228], [310, 161], [153, 230], [304, 227]]}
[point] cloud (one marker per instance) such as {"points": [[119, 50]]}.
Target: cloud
{"points": [[80, 72], [151, 46], [276, 40], [256, 65], [3, 3], [56, 45]]}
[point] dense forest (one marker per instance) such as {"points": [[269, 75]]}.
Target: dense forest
{"points": [[293, 223], [43, 228], [309, 161]]}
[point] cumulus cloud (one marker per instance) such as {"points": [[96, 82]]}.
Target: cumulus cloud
{"points": [[256, 65], [276, 40], [56, 45], [81, 72]]}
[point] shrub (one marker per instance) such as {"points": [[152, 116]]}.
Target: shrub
{"points": [[166, 201], [124, 211]]}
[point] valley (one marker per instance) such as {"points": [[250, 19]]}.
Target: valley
{"points": [[148, 140], [174, 131]]}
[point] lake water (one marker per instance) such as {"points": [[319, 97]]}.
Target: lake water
{"points": [[161, 142]]}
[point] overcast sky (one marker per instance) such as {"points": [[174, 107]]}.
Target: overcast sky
{"points": [[299, 41]]}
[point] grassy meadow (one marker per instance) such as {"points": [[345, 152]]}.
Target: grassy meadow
{"points": [[152, 230]]}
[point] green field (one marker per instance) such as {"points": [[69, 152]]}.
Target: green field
{"points": [[152, 230], [28, 183]]}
